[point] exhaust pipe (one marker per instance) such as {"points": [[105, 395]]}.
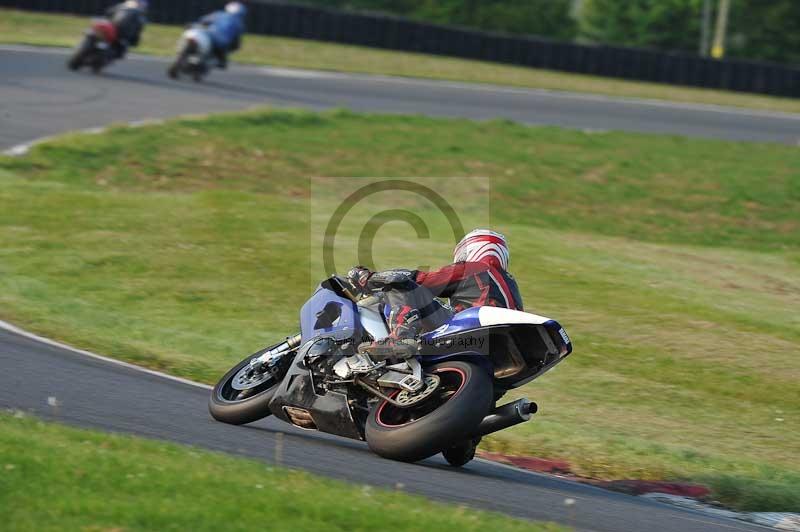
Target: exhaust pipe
{"points": [[508, 415]]}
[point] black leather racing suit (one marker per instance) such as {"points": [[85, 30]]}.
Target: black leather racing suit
{"points": [[410, 293], [129, 22]]}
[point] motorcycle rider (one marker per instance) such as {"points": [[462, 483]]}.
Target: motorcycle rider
{"points": [[226, 28], [129, 18], [477, 277]]}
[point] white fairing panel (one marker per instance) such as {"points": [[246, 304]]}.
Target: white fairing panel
{"points": [[504, 316], [373, 323], [202, 39]]}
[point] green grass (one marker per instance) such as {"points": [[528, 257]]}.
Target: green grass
{"points": [[674, 265], [58, 478], [23, 27]]}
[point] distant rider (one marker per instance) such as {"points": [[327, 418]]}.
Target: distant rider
{"points": [[129, 18], [226, 29], [477, 277]]}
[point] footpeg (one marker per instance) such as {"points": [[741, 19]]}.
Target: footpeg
{"points": [[358, 364], [363, 364]]}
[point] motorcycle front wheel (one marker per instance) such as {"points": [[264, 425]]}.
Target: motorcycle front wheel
{"points": [[450, 415], [175, 69], [77, 58], [243, 396]]}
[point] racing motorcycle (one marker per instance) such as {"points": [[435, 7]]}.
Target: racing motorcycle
{"points": [[194, 53], [443, 399], [95, 50]]}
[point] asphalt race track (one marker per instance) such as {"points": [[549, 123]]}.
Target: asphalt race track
{"points": [[38, 97], [108, 396]]}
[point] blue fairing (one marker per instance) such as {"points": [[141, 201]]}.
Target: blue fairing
{"points": [[224, 28], [327, 313], [466, 320], [463, 321], [471, 335]]}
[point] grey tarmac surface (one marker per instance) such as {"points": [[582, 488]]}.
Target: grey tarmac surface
{"points": [[39, 97], [102, 395]]}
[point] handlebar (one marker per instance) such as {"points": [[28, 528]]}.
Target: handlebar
{"points": [[342, 287]]}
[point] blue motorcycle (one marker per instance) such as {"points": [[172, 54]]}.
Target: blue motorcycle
{"points": [[443, 400]]}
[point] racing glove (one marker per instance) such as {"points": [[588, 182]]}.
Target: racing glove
{"points": [[359, 276]]}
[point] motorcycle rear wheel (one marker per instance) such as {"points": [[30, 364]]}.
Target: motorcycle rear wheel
{"points": [[227, 405], [98, 63], [174, 71], [461, 453], [450, 415]]}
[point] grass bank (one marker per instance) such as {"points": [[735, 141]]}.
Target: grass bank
{"points": [[674, 265], [21, 27], [58, 478]]}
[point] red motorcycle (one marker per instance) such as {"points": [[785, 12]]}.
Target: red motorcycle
{"points": [[96, 49]]}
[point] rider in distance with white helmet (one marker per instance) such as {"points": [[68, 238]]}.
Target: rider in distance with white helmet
{"points": [[478, 277], [226, 28]]}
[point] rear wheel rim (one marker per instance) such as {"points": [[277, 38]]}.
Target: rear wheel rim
{"points": [[452, 381]]}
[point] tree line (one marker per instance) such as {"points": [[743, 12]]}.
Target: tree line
{"points": [[757, 29]]}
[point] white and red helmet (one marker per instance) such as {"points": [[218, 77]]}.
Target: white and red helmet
{"points": [[482, 245]]}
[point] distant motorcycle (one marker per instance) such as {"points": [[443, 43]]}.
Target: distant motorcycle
{"points": [[194, 54], [95, 50], [441, 400]]}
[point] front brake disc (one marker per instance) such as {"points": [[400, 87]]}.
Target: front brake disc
{"points": [[406, 398], [248, 378]]}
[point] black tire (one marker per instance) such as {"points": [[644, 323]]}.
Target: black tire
{"points": [[461, 453], [242, 411], [98, 63], [76, 60], [175, 69], [399, 434], [200, 72]]}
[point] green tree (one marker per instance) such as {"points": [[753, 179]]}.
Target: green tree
{"points": [[758, 29], [765, 29], [549, 18], [664, 24]]}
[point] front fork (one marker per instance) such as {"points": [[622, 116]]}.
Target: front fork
{"points": [[269, 359]]}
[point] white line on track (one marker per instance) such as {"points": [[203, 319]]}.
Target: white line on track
{"points": [[25, 334], [21, 149]]}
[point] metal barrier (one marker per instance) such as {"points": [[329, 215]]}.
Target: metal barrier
{"points": [[396, 33]]}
